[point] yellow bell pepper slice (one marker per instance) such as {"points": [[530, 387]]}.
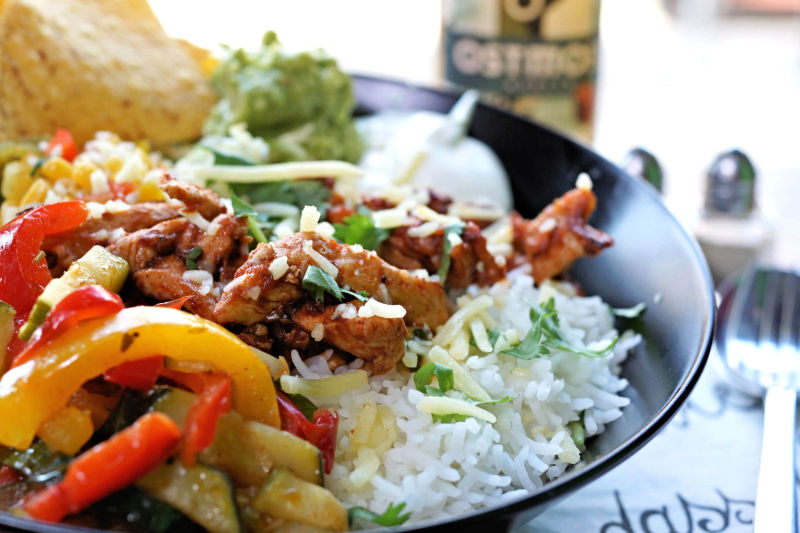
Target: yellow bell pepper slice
{"points": [[34, 391]]}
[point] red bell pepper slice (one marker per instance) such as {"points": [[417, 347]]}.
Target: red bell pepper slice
{"points": [[107, 468], [321, 432], [63, 145], [142, 374], [213, 400], [8, 475], [91, 301], [22, 279]]}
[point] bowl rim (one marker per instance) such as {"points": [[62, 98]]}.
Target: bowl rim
{"points": [[558, 488]]}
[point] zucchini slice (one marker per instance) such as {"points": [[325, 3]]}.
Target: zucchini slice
{"points": [[286, 496], [201, 492], [247, 450]]}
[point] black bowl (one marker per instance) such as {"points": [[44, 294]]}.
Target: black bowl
{"points": [[653, 260]]}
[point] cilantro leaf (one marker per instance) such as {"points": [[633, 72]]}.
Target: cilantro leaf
{"points": [[545, 335], [242, 208], [361, 296], [447, 246], [424, 376], [391, 517], [318, 282], [448, 419], [305, 405], [531, 346], [191, 259], [630, 312], [298, 193], [222, 158], [360, 229]]}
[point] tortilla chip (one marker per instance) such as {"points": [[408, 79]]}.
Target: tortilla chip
{"points": [[90, 65]]}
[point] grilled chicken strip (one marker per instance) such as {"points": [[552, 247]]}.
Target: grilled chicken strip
{"points": [[255, 293], [195, 198], [559, 235], [71, 245], [380, 341], [470, 261]]}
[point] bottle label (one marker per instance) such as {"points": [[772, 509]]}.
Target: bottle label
{"points": [[514, 66]]}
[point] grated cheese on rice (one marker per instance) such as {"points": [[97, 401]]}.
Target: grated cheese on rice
{"points": [[373, 307], [320, 260]]}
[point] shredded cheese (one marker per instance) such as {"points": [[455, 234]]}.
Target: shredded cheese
{"points": [[584, 182], [425, 229], [448, 331], [279, 267], [196, 218], [548, 225], [328, 267], [318, 332], [375, 308], [444, 405], [390, 218], [326, 229], [278, 171], [461, 379], [327, 386], [309, 218]]}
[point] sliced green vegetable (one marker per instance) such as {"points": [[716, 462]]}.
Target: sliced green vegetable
{"points": [[39, 463], [447, 246], [392, 516], [202, 493], [39, 162], [222, 158], [191, 259], [425, 374], [97, 266], [578, 434], [7, 314], [360, 229], [138, 509], [285, 496]]}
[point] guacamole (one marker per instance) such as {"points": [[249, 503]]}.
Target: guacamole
{"points": [[300, 103]]}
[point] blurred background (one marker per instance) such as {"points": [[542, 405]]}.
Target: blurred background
{"points": [[685, 79]]}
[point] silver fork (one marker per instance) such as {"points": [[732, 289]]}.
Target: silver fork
{"points": [[760, 341]]}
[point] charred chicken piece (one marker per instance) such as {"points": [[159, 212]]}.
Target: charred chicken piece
{"points": [[255, 292], [380, 341], [559, 235], [470, 261], [195, 198]]}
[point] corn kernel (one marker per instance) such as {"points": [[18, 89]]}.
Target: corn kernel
{"points": [[36, 192], [16, 180], [81, 174], [113, 164], [68, 430], [149, 191], [56, 168]]}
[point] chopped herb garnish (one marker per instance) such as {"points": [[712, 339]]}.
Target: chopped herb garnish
{"points": [[545, 335], [360, 229], [318, 282], [298, 193], [391, 517], [191, 259], [41, 161], [631, 312], [578, 434], [361, 296], [447, 246], [305, 405], [449, 419], [421, 334], [425, 374], [242, 208], [222, 158]]}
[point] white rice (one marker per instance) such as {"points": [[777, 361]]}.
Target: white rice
{"points": [[389, 451]]}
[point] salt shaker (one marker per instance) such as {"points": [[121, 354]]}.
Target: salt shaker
{"points": [[732, 230], [639, 162]]}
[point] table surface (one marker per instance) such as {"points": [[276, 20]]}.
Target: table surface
{"points": [[685, 87]]}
